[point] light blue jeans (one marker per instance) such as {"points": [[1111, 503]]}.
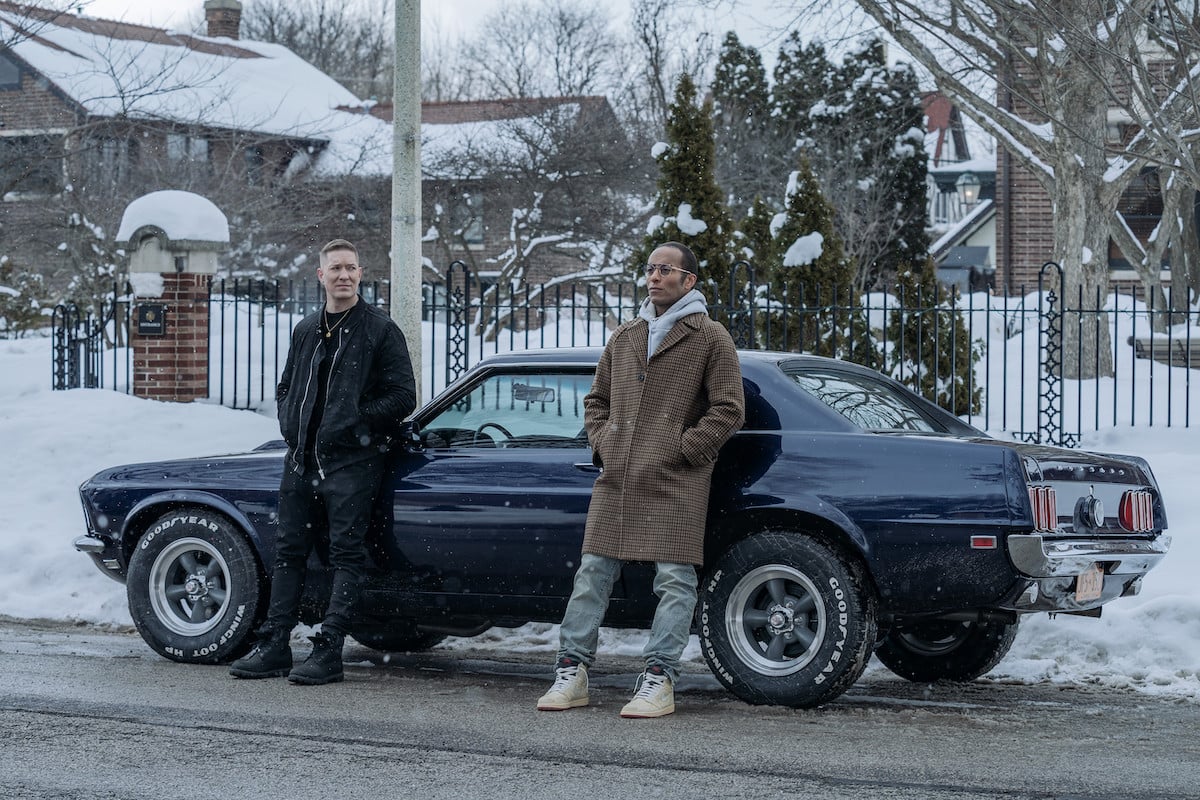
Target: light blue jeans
{"points": [[675, 585]]}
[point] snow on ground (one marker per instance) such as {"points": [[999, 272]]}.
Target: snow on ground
{"points": [[52, 441]]}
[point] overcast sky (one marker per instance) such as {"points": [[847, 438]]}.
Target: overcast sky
{"points": [[757, 22]]}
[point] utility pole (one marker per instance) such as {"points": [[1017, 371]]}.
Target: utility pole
{"points": [[406, 184]]}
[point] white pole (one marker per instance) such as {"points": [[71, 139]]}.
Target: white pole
{"points": [[406, 184]]}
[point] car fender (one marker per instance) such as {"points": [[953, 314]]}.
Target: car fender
{"points": [[799, 512], [160, 502]]}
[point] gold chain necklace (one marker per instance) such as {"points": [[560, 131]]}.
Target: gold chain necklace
{"points": [[329, 330]]}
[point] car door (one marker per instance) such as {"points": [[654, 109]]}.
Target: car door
{"points": [[490, 510]]}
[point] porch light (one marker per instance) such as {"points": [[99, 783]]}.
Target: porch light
{"points": [[968, 188]]}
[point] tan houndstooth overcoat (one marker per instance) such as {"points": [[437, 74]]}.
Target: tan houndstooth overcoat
{"points": [[656, 429]]}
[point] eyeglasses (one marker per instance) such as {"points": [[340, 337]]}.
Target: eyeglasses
{"points": [[666, 270]]}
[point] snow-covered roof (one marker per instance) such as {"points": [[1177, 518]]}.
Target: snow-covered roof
{"points": [[451, 134], [111, 69], [960, 230], [115, 68]]}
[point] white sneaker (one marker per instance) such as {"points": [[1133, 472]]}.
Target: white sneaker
{"points": [[654, 696], [570, 689]]}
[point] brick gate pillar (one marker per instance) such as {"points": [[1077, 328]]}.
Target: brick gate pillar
{"points": [[172, 365], [173, 239]]}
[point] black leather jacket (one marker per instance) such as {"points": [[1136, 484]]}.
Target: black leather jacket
{"points": [[371, 388]]}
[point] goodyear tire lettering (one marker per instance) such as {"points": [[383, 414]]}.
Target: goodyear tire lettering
{"points": [[164, 618]]}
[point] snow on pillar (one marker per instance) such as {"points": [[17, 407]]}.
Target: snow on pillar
{"points": [[173, 239]]}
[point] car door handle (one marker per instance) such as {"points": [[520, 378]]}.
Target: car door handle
{"points": [[587, 466]]}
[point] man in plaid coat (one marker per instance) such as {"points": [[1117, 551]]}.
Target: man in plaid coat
{"points": [[666, 396]]}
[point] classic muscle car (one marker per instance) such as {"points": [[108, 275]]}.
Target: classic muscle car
{"points": [[848, 517]]}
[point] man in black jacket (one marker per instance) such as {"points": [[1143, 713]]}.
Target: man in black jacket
{"points": [[347, 385]]}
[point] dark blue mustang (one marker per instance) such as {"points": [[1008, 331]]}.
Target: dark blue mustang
{"points": [[848, 517]]}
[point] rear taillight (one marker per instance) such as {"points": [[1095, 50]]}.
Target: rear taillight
{"points": [[1045, 508], [1136, 512]]}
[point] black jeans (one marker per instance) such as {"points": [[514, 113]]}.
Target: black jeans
{"points": [[333, 512]]}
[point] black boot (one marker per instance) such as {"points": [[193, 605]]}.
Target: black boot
{"points": [[270, 658], [324, 664]]}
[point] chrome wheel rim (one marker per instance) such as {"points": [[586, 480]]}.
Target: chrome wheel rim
{"points": [[775, 620], [189, 587]]}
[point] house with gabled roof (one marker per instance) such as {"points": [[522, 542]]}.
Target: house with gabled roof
{"points": [[962, 191], [96, 112]]}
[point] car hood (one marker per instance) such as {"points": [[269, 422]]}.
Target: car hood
{"points": [[154, 473]]}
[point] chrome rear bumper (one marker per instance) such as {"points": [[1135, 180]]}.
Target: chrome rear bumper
{"points": [[1038, 557]]}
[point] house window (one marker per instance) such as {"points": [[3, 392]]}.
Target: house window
{"points": [[1142, 207], [255, 159], [181, 147], [30, 165], [10, 73], [466, 217], [111, 159]]}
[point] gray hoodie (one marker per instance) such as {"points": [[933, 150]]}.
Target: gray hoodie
{"points": [[661, 324]]}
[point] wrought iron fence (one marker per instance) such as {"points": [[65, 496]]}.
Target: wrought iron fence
{"points": [[1010, 372], [90, 345]]}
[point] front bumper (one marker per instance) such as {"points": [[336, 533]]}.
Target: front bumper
{"points": [[103, 554]]}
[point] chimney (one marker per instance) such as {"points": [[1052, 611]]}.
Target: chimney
{"points": [[224, 17]]}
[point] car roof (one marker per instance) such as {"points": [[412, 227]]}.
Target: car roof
{"points": [[756, 366], [590, 355]]}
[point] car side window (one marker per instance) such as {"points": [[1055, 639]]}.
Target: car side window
{"points": [[514, 410], [869, 404]]}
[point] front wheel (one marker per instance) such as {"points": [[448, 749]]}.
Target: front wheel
{"points": [[194, 588], [945, 650], [786, 620]]}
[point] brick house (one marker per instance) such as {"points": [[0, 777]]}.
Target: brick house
{"points": [[1024, 216], [94, 113], [481, 160]]}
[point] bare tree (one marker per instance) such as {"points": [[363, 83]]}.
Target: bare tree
{"points": [[665, 47], [563, 177], [351, 41], [444, 76], [542, 48], [1041, 77]]}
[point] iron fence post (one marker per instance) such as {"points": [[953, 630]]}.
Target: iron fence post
{"points": [[1050, 427], [456, 322], [741, 308]]}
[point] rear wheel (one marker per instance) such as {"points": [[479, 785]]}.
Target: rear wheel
{"points": [[194, 588], [785, 619], [945, 650], [401, 637]]}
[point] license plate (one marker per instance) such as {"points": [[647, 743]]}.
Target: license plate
{"points": [[1089, 585]]}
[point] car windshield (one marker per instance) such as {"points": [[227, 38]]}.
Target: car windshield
{"points": [[870, 404], [514, 410]]}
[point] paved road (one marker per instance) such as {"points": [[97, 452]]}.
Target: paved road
{"points": [[95, 715]]}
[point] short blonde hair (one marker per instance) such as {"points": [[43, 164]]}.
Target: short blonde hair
{"points": [[337, 244]]}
